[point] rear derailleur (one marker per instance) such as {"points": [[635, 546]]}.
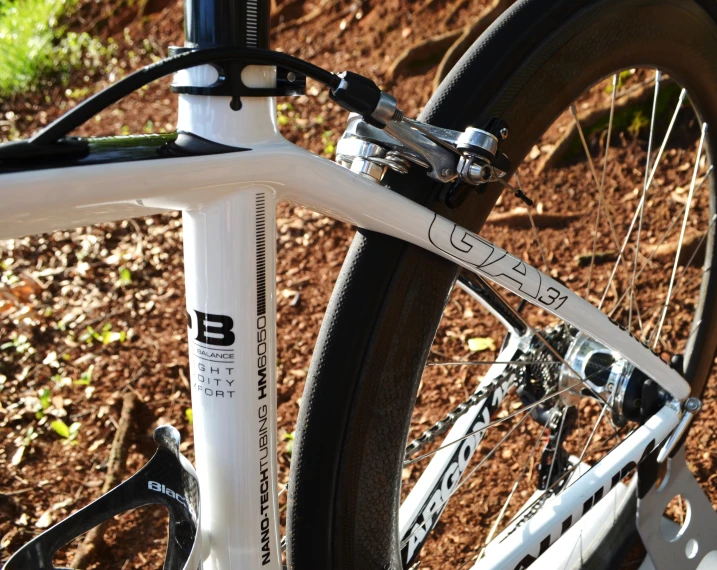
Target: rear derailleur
{"points": [[555, 460]]}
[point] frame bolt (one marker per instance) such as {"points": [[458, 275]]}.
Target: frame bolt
{"points": [[504, 133], [693, 405]]}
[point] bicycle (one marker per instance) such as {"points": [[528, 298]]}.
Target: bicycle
{"points": [[420, 190]]}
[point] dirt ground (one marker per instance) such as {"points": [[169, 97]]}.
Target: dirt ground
{"points": [[90, 314]]}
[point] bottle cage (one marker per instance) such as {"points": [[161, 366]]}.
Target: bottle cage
{"points": [[167, 479]]}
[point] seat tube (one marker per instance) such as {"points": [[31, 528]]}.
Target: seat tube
{"points": [[230, 281], [229, 249]]}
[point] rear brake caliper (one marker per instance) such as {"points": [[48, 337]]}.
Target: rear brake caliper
{"points": [[467, 159]]}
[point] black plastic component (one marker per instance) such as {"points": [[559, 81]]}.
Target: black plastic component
{"points": [[19, 152], [227, 23], [642, 399], [188, 144], [648, 470], [652, 398], [164, 480], [229, 83], [677, 363], [99, 102], [457, 193], [495, 126], [357, 94], [529, 397], [501, 162], [15, 157], [523, 197]]}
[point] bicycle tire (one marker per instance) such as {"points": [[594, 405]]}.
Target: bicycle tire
{"points": [[356, 408]]}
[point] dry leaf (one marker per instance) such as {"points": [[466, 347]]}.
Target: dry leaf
{"points": [[480, 344], [45, 519]]}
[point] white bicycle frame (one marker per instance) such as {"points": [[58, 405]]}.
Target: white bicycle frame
{"points": [[228, 204]]}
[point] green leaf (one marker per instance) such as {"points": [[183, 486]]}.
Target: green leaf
{"points": [[110, 336], [480, 344], [289, 445], [86, 376], [45, 397], [60, 428], [125, 277], [190, 415]]}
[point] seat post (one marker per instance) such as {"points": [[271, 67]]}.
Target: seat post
{"points": [[226, 23]]}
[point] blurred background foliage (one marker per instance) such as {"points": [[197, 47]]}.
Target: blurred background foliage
{"points": [[36, 45]]}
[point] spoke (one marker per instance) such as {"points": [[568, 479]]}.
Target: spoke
{"points": [[557, 482], [673, 222], [680, 279], [532, 224], [639, 320], [592, 433], [642, 199], [471, 472], [557, 447], [682, 235], [646, 261], [506, 504], [658, 76], [604, 407], [602, 203], [509, 416], [532, 329], [602, 182]]}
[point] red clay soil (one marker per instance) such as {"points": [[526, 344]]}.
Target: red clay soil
{"points": [[124, 283]]}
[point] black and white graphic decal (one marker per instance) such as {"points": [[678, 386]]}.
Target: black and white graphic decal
{"points": [[435, 500], [262, 394], [210, 339], [495, 263]]}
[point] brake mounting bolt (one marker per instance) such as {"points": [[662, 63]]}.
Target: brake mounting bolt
{"points": [[504, 133]]}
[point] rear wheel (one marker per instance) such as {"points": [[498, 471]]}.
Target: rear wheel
{"points": [[362, 400]]}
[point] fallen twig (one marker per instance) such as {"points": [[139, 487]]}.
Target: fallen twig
{"points": [[315, 13], [420, 53], [94, 539], [453, 11], [519, 218], [583, 260], [693, 244]]}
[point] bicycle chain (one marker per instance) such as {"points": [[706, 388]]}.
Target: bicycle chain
{"points": [[441, 426]]}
